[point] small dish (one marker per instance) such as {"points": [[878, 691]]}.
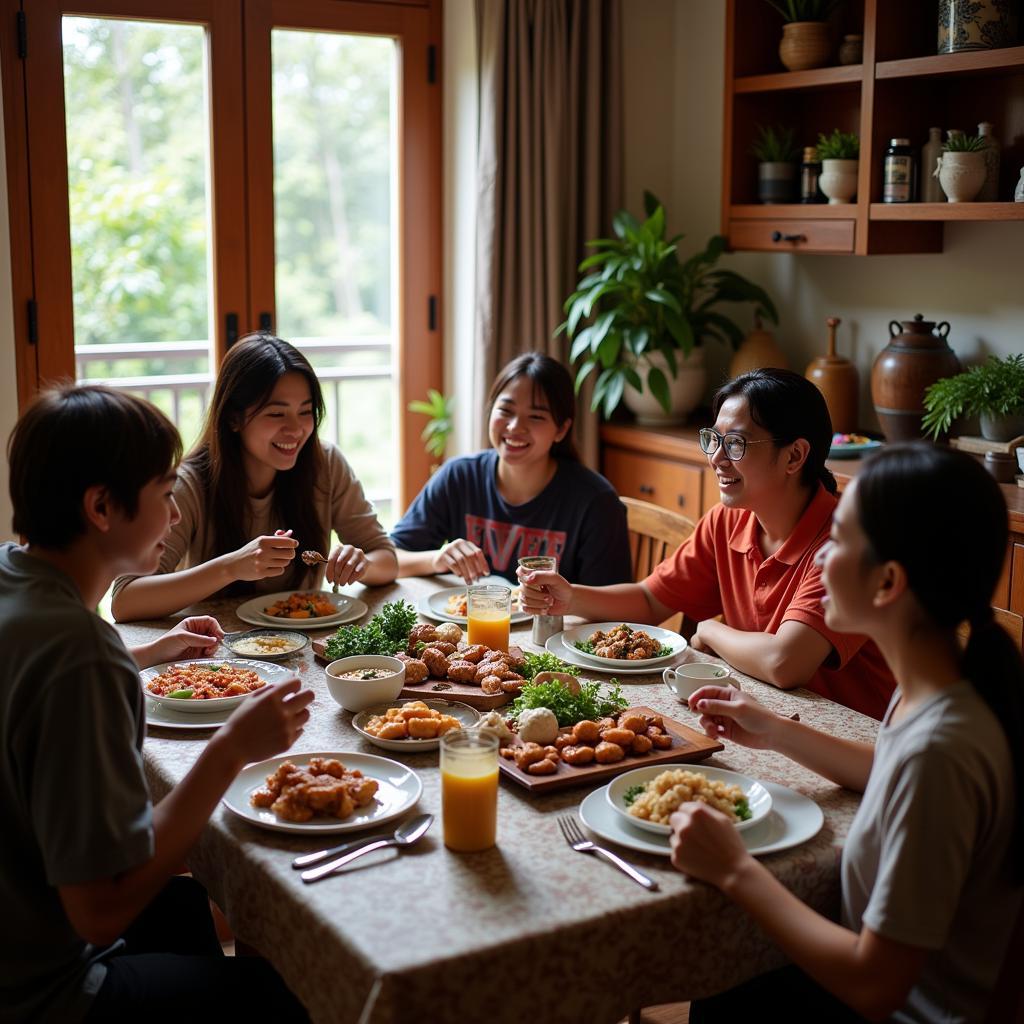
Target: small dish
{"points": [[248, 644], [463, 712], [758, 798], [186, 705], [665, 637], [359, 694], [854, 450], [436, 605]]}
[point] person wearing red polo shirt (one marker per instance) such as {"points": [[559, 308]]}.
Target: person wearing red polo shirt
{"points": [[752, 560]]}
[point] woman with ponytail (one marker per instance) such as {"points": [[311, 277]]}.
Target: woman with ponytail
{"points": [[933, 867], [751, 559]]}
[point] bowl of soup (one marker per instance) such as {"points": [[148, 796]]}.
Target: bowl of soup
{"points": [[363, 680]]}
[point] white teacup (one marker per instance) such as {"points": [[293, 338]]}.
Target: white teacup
{"points": [[686, 680]]}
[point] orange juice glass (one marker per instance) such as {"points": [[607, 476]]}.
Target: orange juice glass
{"points": [[489, 614], [469, 789]]}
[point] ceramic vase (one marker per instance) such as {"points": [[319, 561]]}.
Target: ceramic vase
{"points": [[838, 180], [838, 381], [776, 182], [931, 190], [990, 189], [851, 50], [961, 175], [805, 45], [976, 25], [685, 390], [1018, 192], [757, 350], [917, 356]]}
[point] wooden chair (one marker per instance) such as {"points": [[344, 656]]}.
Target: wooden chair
{"points": [[1011, 622], [654, 534]]}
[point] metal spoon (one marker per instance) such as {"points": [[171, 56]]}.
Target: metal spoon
{"points": [[312, 558], [405, 835]]}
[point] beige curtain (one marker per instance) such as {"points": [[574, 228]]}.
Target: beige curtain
{"points": [[549, 173]]}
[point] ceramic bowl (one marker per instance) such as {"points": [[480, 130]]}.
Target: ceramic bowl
{"points": [[359, 694], [686, 680]]}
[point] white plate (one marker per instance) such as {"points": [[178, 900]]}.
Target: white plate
{"points": [[400, 788], [286, 634], [794, 819], [463, 712], [665, 637], [187, 706], [162, 717], [349, 610], [436, 605], [758, 797], [556, 646]]}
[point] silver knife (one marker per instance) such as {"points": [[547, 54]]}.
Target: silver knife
{"points": [[314, 858]]}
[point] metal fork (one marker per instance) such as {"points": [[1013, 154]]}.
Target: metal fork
{"points": [[575, 838]]}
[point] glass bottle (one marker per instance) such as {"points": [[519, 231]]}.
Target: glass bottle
{"points": [[899, 175], [990, 190], [931, 190], [810, 172]]}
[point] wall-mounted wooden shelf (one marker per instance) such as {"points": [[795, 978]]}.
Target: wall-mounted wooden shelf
{"points": [[948, 211]]}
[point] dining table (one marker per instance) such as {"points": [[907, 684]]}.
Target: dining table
{"points": [[529, 930]]}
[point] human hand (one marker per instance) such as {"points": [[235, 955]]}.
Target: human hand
{"points": [[463, 558], [728, 713], [347, 564], [700, 641], [705, 844], [194, 637], [264, 556], [544, 592], [269, 721]]}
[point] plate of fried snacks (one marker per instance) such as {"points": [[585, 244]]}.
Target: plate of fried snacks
{"points": [[649, 796], [413, 726], [793, 819], [449, 605], [266, 644], [207, 684], [623, 644], [301, 609], [561, 648], [322, 792]]}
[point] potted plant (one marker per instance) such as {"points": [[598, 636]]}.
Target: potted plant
{"points": [[993, 391], [775, 150], [839, 155], [805, 37], [639, 317], [961, 169], [439, 411]]}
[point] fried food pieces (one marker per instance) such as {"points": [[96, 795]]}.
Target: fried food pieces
{"points": [[324, 787], [625, 643], [438, 652], [413, 721]]}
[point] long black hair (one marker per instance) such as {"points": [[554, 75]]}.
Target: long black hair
{"points": [[789, 407], [251, 369], [549, 377], [947, 489]]}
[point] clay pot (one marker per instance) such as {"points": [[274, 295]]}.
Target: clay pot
{"points": [[917, 356], [1001, 428], [777, 182], [839, 180], [804, 45], [961, 175], [685, 390], [851, 50], [758, 350], [837, 379]]}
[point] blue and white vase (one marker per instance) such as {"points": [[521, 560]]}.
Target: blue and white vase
{"points": [[976, 25]]}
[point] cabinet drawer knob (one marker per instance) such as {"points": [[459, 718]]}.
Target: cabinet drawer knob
{"points": [[778, 236], [682, 500], [646, 489]]}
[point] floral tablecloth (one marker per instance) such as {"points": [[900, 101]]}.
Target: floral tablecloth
{"points": [[527, 931]]}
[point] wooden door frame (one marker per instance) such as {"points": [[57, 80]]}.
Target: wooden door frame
{"points": [[420, 362]]}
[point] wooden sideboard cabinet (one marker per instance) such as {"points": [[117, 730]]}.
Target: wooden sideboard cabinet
{"points": [[664, 465]]}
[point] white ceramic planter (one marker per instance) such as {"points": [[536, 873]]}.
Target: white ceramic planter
{"points": [[961, 175], [839, 180], [685, 390]]}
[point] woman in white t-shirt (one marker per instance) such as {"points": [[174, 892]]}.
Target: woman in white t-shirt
{"points": [[259, 484], [933, 867]]}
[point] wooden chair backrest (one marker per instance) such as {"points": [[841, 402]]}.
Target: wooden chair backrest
{"points": [[1011, 622], [654, 534]]}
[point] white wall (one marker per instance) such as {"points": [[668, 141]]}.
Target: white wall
{"points": [[8, 376], [674, 65]]}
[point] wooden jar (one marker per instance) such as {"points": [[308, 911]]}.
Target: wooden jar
{"points": [[837, 379], [917, 356]]}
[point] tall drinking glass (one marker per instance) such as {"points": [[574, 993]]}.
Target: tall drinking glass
{"points": [[544, 626], [469, 789], [489, 614]]}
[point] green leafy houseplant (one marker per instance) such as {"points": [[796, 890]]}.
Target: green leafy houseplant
{"points": [[438, 409], [961, 143], [805, 10], [838, 146], [995, 388], [636, 298], [774, 144]]}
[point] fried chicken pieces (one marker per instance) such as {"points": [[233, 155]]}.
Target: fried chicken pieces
{"points": [[623, 642], [433, 654], [324, 787]]}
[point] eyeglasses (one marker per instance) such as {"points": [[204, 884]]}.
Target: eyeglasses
{"points": [[735, 445]]}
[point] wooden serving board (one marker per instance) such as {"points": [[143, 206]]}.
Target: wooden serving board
{"points": [[688, 746], [465, 692]]}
